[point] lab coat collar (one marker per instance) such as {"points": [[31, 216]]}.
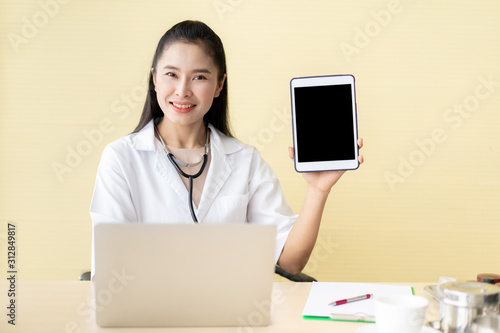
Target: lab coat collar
{"points": [[145, 140], [228, 145]]}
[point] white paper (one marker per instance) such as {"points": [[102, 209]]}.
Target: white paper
{"points": [[323, 293]]}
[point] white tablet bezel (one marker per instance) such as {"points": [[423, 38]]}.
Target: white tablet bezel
{"points": [[324, 81]]}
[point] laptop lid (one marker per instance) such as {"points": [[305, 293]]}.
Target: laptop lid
{"points": [[183, 275]]}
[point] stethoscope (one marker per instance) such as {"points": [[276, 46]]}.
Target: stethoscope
{"points": [[175, 162]]}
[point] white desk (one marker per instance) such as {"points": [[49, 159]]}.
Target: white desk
{"points": [[66, 307]]}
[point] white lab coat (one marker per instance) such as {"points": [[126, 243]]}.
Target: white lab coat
{"points": [[137, 183]]}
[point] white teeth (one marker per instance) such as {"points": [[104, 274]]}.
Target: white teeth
{"points": [[183, 106]]}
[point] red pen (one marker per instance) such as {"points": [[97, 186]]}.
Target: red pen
{"points": [[352, 299]]}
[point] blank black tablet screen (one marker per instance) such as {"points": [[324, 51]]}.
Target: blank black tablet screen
{"points": [[324, 122]]}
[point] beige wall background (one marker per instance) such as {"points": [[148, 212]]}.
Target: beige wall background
{"points": [[423, 205]]}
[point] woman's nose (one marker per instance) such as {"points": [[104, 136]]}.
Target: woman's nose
{"points": [[183, 88]]}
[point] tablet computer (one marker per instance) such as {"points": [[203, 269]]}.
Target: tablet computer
{"points": [[324, 121]]}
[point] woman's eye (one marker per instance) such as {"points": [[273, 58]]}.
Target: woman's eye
{"points": [[200, 77], [170, 74]]}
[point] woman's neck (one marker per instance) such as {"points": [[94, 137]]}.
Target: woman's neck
{"points": [[182, 136]]}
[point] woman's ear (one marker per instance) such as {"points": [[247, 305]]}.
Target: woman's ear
{"points": [[154, 77], [220, 85]]}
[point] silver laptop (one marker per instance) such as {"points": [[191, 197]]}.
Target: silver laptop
{"points": [[183, 275]]}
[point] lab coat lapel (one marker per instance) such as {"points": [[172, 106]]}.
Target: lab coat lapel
{"points": [[145, 140], [168, 172], [218, 173]]}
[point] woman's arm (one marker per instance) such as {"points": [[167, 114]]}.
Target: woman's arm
{"points": [[302, 237]]}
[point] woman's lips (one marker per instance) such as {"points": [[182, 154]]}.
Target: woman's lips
{"points": [[182, 107]]}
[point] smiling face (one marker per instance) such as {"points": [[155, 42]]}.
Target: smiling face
{"points": [[186, 83]]}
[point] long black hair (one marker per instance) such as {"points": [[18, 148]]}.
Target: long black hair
{"points": [[198, 33]]}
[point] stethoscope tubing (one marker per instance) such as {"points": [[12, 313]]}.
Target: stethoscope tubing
{"points": [[190, 178]]}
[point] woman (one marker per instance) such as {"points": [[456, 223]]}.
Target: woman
{"points": [[182, 165]]}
